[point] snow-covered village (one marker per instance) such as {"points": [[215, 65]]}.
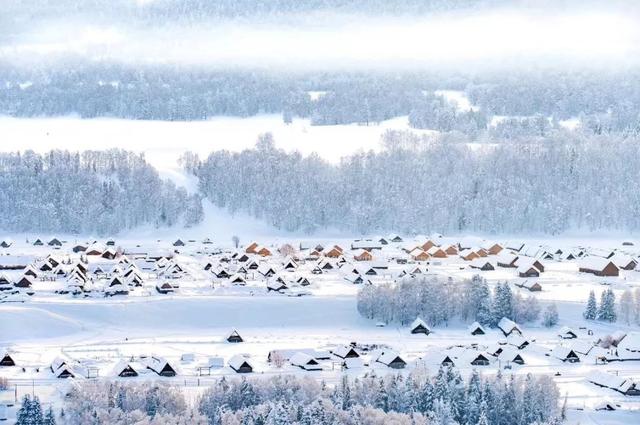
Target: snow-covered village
{"points": [[319, 212], [386, 312]]}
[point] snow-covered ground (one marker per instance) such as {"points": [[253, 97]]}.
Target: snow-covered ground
{"points": [[163, 142], [189, 326]]}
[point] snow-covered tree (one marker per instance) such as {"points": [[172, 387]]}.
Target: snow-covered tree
{"points": [[550, 317], [591, 312], [607, 310]]}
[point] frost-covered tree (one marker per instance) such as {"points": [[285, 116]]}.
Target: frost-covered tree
{"points": [[607, 310], [30, 412], [550, 317], [591, 312], [626, 306], [94, 191]]}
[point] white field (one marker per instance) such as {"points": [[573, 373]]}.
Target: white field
{"points": [[99, 331], [164, 141]]}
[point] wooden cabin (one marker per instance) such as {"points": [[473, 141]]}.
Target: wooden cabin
{"points": [[240, 364], [363, 255], [234, 337], [391, 359], [420, 327], [598, 266]]}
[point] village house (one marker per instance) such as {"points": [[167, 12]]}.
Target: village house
{"points": [[6, 359], [567, 333], [481, 264], [363, 255], [468, 255], [565, 354], [304, 362], [365, 244], [476, 329], [345, 352], [234, 337], [507, 260], [598, 266], [624, 262], [334, 252], [437, 252], [420, 327], [126, 369], [531, 285], [251, 248], [451, 250], [606, 380], [240, 364], [391, 359], [160, 366], [25, 281], [509, 327], [419, 255], [164, 287], [526, 270]]}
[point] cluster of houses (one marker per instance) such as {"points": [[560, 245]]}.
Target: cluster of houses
{"points": [[100, 267]]}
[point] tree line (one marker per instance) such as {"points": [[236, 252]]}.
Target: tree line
{"points": [[439, 301], [604, 103], [417, 398], [101, 192], [420, 184]]}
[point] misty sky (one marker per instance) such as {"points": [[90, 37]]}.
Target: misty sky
{"points": [[493, 37]]}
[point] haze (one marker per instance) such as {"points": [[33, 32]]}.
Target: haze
{"points": [[485, 38]]}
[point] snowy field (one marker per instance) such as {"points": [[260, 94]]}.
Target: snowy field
{"points": [[163, 141], [188, 326]]}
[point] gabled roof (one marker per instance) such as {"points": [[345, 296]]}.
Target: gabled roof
{"points": [[419, 322], [237, 361], [344, 351], [595, 263], [159, 365], [562, 352], [508, 325], [304, 361], [387, 357], [475, 326]]}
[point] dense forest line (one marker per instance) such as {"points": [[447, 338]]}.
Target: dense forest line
{"points": [[608, 102], [416, 398], [565, 180], [101, 192]]}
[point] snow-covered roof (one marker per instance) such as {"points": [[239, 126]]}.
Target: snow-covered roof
{"points": [[238, 360], [631, 342], [594, 263], [507, 325], [419, 322], [387, 357], [366, 243], [608, 380], [304, 360], [562, 352], [474, 326], [565, 330], [506, 257], [343, 351]]}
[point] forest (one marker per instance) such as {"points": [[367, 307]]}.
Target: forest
{"points": [[420, 184], [100, 192], [417, 398], [608, 102], [439, 302]]}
